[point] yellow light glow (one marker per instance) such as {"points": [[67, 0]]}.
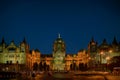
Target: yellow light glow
{"points": [[101, 52], [108, 58], [110, 51]]}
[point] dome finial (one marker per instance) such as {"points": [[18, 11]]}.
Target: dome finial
{"points": [[59, 35]]}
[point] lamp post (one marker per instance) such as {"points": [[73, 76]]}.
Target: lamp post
{"points": [[101, 53], [31, 63], [107, 59]]}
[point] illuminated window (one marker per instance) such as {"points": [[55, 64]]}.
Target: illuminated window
{"points": [[22, 49], [11, 49]]}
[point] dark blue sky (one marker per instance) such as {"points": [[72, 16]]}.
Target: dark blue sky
{"points": [[40, 21]]}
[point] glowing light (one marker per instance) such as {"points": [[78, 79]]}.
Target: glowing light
{"points": [[110, 51], [101, 52], [89, 58], [108, 58]]}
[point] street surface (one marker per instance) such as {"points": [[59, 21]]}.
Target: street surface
{"points": [[78, 76], [71, 76]]}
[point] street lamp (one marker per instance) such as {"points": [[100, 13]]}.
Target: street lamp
{"points": [[107, 59], [110, 51], [101, 53]]}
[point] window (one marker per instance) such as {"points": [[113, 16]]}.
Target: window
{"points": [[10, 62], [11, 56], [17, 55], [17, 62], [11, 49], [22, 49], [7, 62]]}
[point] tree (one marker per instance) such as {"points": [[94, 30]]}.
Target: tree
{"points": [[74, 66], [40, 66], [82, 67], [71, 68], [44, 66], [114, 62], [35, 66]]}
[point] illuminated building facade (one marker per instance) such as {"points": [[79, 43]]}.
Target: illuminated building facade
{"points": [[77, 61], [13, 56], [59, 60], [33, 57], [101, 54]]}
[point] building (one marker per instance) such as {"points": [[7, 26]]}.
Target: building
{"points": [[59, 52], [33, 58], [13, 57], [18, 57], [77, 61], [101, 54], [60, 60], [92, 47]]}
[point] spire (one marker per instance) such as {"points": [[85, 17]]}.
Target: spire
{"points": [[12, 41], [24, 40], [3, 41], [92, 39], [59, 35], [104, 41], [114, 41]]}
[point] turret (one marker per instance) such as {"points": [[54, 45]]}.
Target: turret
{"points": [[92, 46], [59, 44], [24, 47]]}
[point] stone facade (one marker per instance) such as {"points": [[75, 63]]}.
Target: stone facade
{"points": [[59, 60], [12, 54], [101, 54], [33, 57], [13, 57]]}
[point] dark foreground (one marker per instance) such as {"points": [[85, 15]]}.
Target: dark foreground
{"points": [[64, 76]]}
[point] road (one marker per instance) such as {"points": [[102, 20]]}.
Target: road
{"points": [[73, 76], [69, 76]]}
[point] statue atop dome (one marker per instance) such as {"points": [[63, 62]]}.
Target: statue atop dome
{"points": [[59, 35], [59, 44]]}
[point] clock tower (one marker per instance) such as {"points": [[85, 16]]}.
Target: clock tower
{"points": [[59, 54]]}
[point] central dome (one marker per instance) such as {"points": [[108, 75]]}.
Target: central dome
{"points": [[59, 39], [59, 45]]}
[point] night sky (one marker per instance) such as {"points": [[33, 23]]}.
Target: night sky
{"points": [[40, 21]]}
